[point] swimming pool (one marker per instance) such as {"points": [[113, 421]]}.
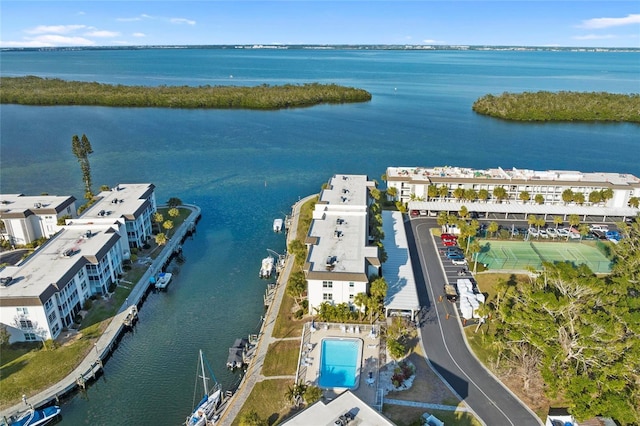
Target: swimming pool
{"points": [[339, 363]]}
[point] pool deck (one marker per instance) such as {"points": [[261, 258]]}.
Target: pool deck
{"points": [[371, 360]]}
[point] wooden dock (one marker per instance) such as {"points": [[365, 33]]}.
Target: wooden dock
{"points": [[269, 294]]}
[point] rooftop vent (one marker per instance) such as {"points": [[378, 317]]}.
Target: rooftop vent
{"points": [[5, 281], [88, 234], [37, 205], [331, 261], [339, 221], [70, 252], [337, 233], [101, 213]]}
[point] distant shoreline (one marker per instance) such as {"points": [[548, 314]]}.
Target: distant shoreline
{"points": [[427, 47], [37, 91]]}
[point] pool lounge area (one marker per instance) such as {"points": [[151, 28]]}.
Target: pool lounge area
{"points": [[339, 357]]}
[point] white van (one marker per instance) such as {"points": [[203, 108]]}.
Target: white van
{"points": [[601, 228]]}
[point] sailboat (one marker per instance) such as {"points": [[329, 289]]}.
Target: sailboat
{"points": [[212, 396]]}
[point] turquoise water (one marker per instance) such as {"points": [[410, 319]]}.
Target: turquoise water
{"points": [[244, 168], [339, 363]]}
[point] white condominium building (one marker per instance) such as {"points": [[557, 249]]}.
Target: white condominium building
{"points": [[340, 259], [27, 218], [135, 203], [551, 191]]}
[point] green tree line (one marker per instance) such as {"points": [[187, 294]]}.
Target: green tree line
{"points": [[31, 90], [580, 332], [561, 106]]}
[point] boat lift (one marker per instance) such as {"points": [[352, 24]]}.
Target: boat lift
{"points": [[280, 258]]}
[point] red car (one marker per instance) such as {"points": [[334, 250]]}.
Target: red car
{"points": [[449, 243], [448, 237]]}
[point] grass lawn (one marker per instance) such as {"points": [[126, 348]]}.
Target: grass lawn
{"points": [[281, 358], [410, 416], [286, 325], [27, 369], [268, 400]]}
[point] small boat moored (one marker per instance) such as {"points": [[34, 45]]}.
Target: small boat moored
{"points": [[267, 267], [205, 409], [277, 225], [163, 280], [37, 417]]}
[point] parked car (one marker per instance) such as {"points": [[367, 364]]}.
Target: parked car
{"points": [[613, 236], [533, 232], [601, 228], [455, 256], [543, 233], [599, 235], [462, 261], [447, 236], [449, 243], [552, 232], [563, 232], [453, 249]]}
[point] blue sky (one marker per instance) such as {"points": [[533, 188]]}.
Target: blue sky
{"points": [[25, 23]]}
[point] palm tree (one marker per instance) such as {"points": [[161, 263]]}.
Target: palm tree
{"points": [[532, 220], [360, 300], [567, 196], [524, 196], [492, 228], [392, 192], [168, 225], [432, 191], [500, 193], [464, 212], [161, 239], [578, 198], [174, 212], [595, 197], [483, 195], [539, 199], [574, 220], [81, 148], [443, 191], [607, 194], [458, 193], [557, 221], [634, 202], [442, 219]]}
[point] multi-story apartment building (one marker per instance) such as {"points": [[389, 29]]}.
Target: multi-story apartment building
{"points": [[340, 258], [519, 191], [27, 218], [43, 294], [135, 203]]}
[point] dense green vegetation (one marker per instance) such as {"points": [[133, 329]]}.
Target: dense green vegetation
{"points": [[580, 332], [561, 106], [32, 90]]}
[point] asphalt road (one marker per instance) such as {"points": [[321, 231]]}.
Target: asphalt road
{"points": [[444, 344]]}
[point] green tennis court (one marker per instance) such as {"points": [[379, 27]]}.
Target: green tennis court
{"points": [[518, 255]]}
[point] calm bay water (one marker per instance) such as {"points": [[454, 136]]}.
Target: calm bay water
{"points": [[244, 168]]}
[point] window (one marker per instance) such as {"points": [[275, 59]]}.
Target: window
{"points": [[327, 297], [351, 296], [22, 311], [48, 305], [30, 337], [55, 329], [327, 284], [25, 324], [52, 316], [351, 284]]}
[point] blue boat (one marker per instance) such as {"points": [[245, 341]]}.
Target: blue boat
{"points": [[37, 417]]}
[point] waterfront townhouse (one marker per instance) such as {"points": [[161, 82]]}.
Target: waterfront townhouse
{"points": [[42, 295], [514, 191], [340, 259], [27, 218], [135, 203]]}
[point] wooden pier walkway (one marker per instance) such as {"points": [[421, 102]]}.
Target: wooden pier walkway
{"points": [[121, 322]]}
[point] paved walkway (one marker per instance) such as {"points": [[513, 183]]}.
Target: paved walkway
{"points": [[254, 372], [104, 345]]}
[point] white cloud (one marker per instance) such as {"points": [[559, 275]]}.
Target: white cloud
{"points": [[49, 40], [102, 33], [598, 23], [129, 19], [55, 29], [139, 34], [182, 21], [594, 37]]}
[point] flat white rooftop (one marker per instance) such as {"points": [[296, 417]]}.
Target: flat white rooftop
{"points": [[397, 270], [500, 174], [339, 227], [124, 200], [322, 414], [19, 205], [56, 262]]}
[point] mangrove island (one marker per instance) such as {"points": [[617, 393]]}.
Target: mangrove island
{"points": [[32, 90], [561, 106]]}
